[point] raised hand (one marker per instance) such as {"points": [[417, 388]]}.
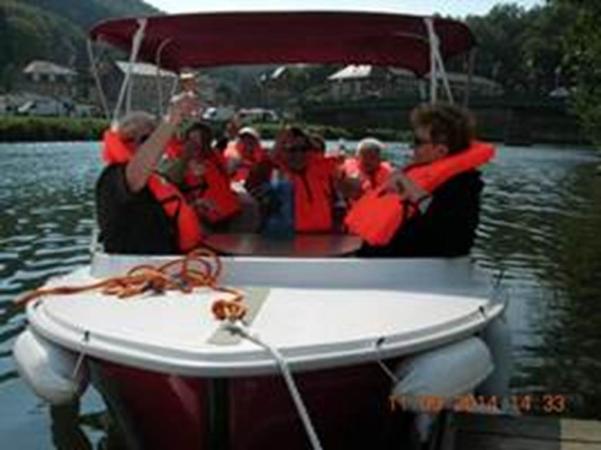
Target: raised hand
{"points": [[182, 106]]}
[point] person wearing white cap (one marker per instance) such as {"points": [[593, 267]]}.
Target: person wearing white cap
{"points": [[188, 81], [244, 153]]}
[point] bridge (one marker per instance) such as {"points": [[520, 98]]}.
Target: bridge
{"points": [[515, 120]]}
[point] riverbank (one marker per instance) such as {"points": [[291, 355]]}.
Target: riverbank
{"points": [[50, 129], [328, 132], [56, 129], [514, 121]]}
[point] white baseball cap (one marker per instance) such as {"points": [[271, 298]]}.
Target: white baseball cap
{"points": [[251, 131]]}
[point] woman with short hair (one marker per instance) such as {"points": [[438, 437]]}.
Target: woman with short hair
{"points": [[444, 199]]}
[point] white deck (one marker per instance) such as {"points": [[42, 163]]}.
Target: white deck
{"points": [[319, 313]]}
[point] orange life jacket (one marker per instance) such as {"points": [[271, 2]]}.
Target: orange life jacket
{"points": [[225, 202], [175, 148], [352, 169], [377, 216], [235, 151], [189, 234], [313, 198]]}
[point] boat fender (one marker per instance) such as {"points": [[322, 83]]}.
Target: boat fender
{"points": [[49, 369], [497, 337], [442, 374]]}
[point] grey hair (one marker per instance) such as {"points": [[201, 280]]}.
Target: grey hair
{"points": [[370, 143], [134, 118]]}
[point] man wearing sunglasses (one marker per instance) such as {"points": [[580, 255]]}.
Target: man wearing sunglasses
{"points": [[309, 180], [445, 218]]}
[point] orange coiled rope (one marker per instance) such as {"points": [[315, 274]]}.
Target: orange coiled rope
{"points": [[199, 268]]}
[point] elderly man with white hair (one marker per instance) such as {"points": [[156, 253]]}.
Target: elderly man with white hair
{"points": [[138, 211], [367, 170]]}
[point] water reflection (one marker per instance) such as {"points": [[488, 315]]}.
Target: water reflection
{"points": [[66, 432], [72, 430], [540, 225], [47, 218], [570, 344]]}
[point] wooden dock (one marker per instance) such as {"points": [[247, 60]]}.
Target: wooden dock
{"points": [[489, 432]]}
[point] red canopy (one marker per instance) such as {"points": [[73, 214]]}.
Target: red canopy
{"points": [[216, 39]]}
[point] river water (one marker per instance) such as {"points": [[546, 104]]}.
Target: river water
{"points": [[540, 227]]}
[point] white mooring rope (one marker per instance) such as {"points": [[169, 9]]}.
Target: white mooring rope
{"points": [[239, 328]]}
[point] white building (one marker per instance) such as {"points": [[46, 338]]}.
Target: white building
{"points": [[48, 78], [365, 81], [150, 85]]}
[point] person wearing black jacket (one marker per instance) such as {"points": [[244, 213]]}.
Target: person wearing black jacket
{"points": [[445, 225]]}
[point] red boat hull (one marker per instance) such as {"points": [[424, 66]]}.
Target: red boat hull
{"points": [[349, 408]]}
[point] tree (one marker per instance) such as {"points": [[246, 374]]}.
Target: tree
{"points": [[522, 48], [500, 35], [52, 29], [543, 46], [6, 52], [582, 50]]}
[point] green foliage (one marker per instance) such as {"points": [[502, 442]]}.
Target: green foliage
{"points": [[521, 49], [582, 45], [500, 36], [270, 130], [27, 33], [53, 29], [534, 51], [543, 46], [40, 129], [128, 7], [7, 52], [24, 129], [86, 13]]}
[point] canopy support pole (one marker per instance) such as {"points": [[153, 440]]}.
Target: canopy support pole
{"points": [[433, 41], [174, 87], [136, 44], [436, 64], [422, 89], [158, 75], [96, 76], [471, 64], [445, 78]]}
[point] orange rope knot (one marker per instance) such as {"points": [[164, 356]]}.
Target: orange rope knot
{"points": [[231, 310], [199, 268]]}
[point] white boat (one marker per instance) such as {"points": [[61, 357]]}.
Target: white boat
{"points": [[327, 338]]}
